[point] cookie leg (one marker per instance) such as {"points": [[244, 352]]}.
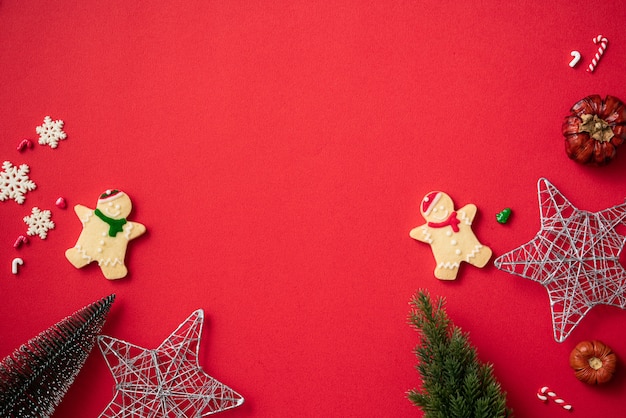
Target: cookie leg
{"points": [[481, 257], [76, 258], [446, 273], [114, 272]]}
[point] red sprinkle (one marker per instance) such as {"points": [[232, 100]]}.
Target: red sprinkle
{"points": [[61, 203]]}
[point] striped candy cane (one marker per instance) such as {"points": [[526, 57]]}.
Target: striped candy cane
{"points": [[603, 42], [546, 392]]}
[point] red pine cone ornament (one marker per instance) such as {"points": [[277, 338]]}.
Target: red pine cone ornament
{"points": [[594, 129], [593, 362]]}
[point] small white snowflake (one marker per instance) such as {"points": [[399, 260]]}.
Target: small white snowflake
{"points": [[51, 132], [14, 182], [39, 223]]}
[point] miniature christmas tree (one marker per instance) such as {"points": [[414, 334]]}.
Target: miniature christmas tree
{"points": [[36, 376], [455, 384]]}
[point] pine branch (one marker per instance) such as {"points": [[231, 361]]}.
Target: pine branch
{"points": [[455, 384], [36, 376]]}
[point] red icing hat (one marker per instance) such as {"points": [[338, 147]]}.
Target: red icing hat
{"points": [[109, 195], [429, 200]]}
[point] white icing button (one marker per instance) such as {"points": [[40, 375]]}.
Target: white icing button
{"points": [[458, 252], [453, 242], [101, 242], [104, 234], [449, 233], [99, 249]]}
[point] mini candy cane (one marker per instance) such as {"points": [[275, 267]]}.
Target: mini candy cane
{"points": [[541, 394], [19, 241], [26, 143], [16, 262], [575, 58], [603, 42]]}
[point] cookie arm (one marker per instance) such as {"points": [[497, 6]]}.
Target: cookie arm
{"points": [[421, 233], [467, 213], [82, 211], [136, 230]]}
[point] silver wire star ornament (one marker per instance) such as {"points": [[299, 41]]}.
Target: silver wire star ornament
{"points": [[167, 381], [575, 256]]}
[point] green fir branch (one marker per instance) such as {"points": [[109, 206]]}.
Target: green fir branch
{"points": [[455, 384]]}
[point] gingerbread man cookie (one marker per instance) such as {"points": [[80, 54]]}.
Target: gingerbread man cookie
{"points": [[450, 235], [105, 234]]}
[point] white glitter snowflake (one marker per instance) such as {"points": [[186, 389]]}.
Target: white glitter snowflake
{"points": [[39, 223], [51, 132], [14, 182]]}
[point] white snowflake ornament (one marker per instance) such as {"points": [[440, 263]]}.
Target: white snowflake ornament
{"points": [[39, 222], [14, 182], [51, 132]]}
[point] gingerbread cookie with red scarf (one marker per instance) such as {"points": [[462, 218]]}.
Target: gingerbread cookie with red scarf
{"points": [[105, 235], [450, 236]]}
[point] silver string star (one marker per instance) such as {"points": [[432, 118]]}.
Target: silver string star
{"points": [[575, 256], [167, 381]]}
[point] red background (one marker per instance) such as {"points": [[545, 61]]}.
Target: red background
{"points": [[277, 153]]}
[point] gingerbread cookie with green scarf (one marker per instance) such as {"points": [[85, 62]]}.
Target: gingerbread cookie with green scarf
{"points": [[105, 235]]}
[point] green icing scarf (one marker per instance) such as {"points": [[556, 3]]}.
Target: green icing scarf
{"points": [[115, 225]]}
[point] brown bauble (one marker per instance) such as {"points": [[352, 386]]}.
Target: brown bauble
{"points": [[594, 129], [593, 362]]}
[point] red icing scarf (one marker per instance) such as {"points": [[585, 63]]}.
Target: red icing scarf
{"points": [[452, 221]]}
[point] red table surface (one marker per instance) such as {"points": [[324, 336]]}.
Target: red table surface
{"points": [[277, 152]]}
